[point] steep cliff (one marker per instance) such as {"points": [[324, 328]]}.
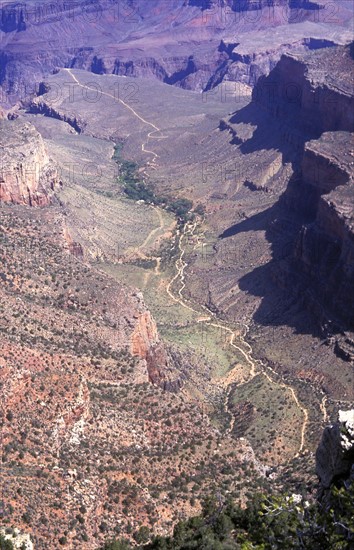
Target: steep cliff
{"points": [[248, 57], [312, 92], [310, 97], [335, 453], [325, 246], [27, 175]]}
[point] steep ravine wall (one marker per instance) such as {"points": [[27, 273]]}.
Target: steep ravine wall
{"points": [[325, 247], [335, 455]]}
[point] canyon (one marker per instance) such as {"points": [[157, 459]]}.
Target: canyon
{"points": [[176, 260], [145, 39]]}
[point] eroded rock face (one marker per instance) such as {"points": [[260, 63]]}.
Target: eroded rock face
{"points": [[325, 246], [146, 344], [144, 335], [311, 99], [313, 91], [26, 174], [335, 453]]}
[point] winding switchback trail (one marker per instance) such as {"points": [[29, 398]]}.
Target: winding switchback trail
{"points": [[154, 130], [210, 319]]}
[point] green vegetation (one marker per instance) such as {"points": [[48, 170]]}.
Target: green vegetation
{"points": [[180, 207], [5, 544], [275, 522], [117, 545], [259, 406], [136, 189]]}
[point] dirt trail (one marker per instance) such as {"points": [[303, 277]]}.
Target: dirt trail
{"points": [[137, 250], [210, 319], [152, 233], [130, 108], [324, 409]]}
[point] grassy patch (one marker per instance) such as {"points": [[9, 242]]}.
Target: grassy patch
{"points": [[268, 416]]}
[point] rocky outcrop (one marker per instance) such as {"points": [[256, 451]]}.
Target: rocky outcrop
{"points": [[19, 540], [145, 344], [312, 92], [75, 248], [249, 59], [13, 17], [37, 106], [27, 175], [144, 336], [165, 368], [335, 453]]}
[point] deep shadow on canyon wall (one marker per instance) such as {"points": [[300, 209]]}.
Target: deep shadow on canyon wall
{"points": [[308, 116]]}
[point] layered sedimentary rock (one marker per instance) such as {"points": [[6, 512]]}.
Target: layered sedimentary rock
{"points": [[27, 175], [116, 37], [325, 247], [311, 98], [247, 57], [313, 92], [335, 453]]}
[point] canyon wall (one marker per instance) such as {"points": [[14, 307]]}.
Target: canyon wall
{"points": [[335, 454], [325, 246], [27, 176], [310, 97], [112, 37], [310, 94]]}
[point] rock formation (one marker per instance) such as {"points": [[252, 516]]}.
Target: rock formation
{"points": [[146, 344], [325, 246], [312, 92], [311, 98], [27, 176], [144, 335], [335, 453]]}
